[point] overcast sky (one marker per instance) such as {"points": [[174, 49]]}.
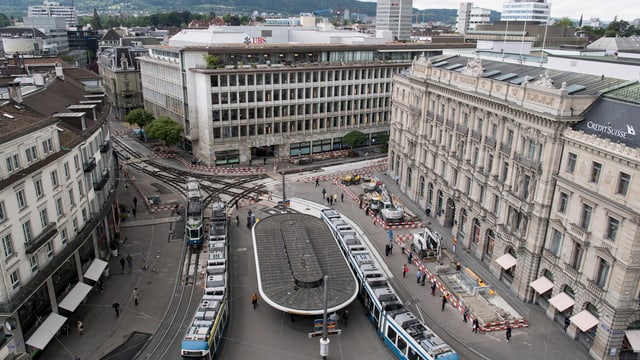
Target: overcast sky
{"points": [[603, 9]]}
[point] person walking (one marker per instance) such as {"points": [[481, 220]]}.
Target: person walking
{"points": [[342, 197], [135, 202], [418, 276], [424, 278], [390, 233], [444, 300], [130, 262], [135, 296], [80, 326], [508, 332], [345, 317], [317, 182], [403, 248], [324, 193], [254, 300], [122, 264], [335, 198], [433, 288], [405, 270], [116, 308], [409, 257], [476, 325], [133, 212], [465, 314]]}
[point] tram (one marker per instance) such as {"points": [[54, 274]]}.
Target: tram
{"points": [[194, 230], [407, 336], [205, 333]]}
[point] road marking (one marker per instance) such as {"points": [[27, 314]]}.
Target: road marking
{"points": [[241, 249]]}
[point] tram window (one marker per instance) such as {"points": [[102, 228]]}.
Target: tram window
{"points": [[391, 334], [402, 346], [413, 355], [376, 313]]}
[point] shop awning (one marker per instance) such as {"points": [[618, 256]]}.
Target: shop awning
{"points": [[506, 261], [634, 339], [584, 320], [541, 285], [562, 301], [46, 331], [75, 297], [95, 269]]}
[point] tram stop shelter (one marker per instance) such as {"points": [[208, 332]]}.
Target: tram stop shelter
{"points": [[293, 253]]}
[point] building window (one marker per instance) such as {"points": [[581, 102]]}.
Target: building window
{"points": [[75, 225], [467, 189], [49, 250], [586, 216], [576, 257], [33, 262], [623, 184], [59, 207], [64, 236], [67, 173], [496, 204], [47, 146], [54, 179], [15, 279], [505, 172], [22, 200], [80, 188], [556, 241], [563, 202], [13, 163], [603, 272], [481, 195], [26, 230], [31, 153], [7, 245], [596, 168], [72, 201], [44, 218], [612, 228], [38, 186], [571, 163], [76, 162], [3, 214]]}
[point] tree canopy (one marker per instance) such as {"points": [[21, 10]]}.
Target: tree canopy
{"points": [[4, 20], [139, 117], [165, 129], [354, 138], [565, 21]]}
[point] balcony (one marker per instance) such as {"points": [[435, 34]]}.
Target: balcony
{"points": [[527, 162], [476, 135], [47, 234], [450, 124], [415, 110], [462, 130], [439, 119], [105, 147], [581, 234], [505, 149], [571, 272], [89, 165], [97, 186], [595, 289], [491, 142]]}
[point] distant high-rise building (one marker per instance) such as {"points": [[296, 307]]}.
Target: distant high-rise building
{"points": [[469, 17], [526, 10], [395, 16], [54, 9]]}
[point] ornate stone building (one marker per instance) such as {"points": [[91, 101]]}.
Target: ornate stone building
{"points": [[482, 144]]}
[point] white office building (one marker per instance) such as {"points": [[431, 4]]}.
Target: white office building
{"points": [[526, 10], [395, 16], [470, 16], [54, 9]]}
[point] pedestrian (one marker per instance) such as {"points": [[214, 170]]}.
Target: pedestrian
{"points": [[264, 161], [135, 202], [465, 314], [386, 250], [324, 193], [122, 264], [133, 212], [390, 233], [405, 270], [418, 276], [254, 300], [342, 197], [80, 326], [433, 288], [116, 308], [329, 200], [130, 262], [409, 257], [249, 222], [390, 248], [424, 278], [444, 300], [508, 332], [455, 243], [100, 284], [135, 296], [567, 322], [345, 317], [317, 182], [335, 198], [403, 248], [476, 325]]}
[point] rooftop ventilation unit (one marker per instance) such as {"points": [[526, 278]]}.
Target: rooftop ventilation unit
{"points": [[8, 116]]}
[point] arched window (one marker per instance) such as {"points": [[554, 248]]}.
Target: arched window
{"points": [[490, 243], [409, 177], [430, 194], [397, 166], [421, 187], [476, 231], [440, 202], [392, 162], [463, 222]]}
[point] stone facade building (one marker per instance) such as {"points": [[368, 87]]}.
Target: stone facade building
{"points": [[482, 146]]}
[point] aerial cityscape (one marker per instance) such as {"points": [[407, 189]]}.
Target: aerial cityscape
{"points": [[334, 180]]}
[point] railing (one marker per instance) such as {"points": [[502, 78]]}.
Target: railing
{"points": [[90, 165], [595, 289], [439, 119], [527, 162], [476, 135], [450, 124], [105, 147], [571, 271], [461, 129], [583, 235], [505, 148], [491, 142], [97, 186], [47, 234]]}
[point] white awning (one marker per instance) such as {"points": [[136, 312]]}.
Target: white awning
{"points": [[634, 339], [584, 320], [541, 285], [562, 301], [46, 331], [75, 297], [506, 261], [95, 269]]}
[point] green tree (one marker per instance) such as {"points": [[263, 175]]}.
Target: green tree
{"points": [[354, 139], [166, 130], [4, 20], [212, 61], [139, 117], [96, 24], [565, 21]]}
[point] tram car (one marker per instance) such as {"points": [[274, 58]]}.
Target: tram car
{"points": [[205, 333], [194, 229], [397, 326]]}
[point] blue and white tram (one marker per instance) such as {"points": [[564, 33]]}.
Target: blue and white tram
{"points": [[204, 335], [407, 336], [194, 229]]}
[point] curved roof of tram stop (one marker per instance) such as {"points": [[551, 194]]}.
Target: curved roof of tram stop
{"points": [[293, 252]]}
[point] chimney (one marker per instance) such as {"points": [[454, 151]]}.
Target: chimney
{"points": [[15, 92], [59, 72]]}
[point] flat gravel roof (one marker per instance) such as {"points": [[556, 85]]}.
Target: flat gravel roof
{"points": [[293, 253]]}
